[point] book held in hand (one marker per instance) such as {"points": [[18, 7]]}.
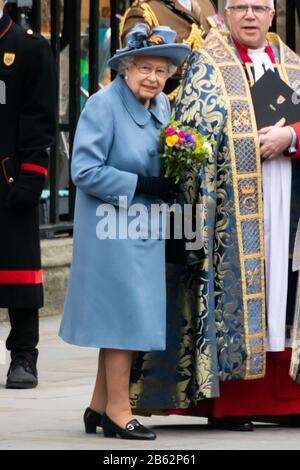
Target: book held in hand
{"points": [[273, 99]]}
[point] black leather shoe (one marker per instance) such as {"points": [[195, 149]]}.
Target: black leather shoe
{"points": [[294, 421], [21, 374], [231, 423], [92, 419], [133, 430]]}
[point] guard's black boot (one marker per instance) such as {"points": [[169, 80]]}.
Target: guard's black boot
{"points": [[22, 373]]}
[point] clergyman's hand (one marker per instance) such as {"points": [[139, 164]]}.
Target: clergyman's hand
{"points": [[265, 130], [274, 140]]}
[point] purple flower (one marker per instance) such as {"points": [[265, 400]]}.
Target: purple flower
{"points": [[189, 139]]}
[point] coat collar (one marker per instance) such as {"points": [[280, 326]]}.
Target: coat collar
{"points": [[137, 111], [5, 24]]}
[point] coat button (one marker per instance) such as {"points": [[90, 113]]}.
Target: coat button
{"points": [[11, 180], [152, 153]]}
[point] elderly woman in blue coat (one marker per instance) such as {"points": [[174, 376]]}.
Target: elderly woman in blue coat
{"points": [[116, 294]]}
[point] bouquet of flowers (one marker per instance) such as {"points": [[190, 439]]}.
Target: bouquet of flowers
{"points": [[184, 150]]}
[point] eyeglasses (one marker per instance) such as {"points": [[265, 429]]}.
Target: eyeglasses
{"points": [[257, 10], [146, 70]]}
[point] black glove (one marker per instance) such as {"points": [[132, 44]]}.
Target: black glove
{"points": [[159, 186]]}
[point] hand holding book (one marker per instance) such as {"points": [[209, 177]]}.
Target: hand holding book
{"points": [[273, 100]]}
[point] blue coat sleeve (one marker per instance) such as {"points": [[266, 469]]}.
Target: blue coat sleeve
{"points": [[92, 144]]}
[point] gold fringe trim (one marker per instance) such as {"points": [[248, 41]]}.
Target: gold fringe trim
{"points": [[195, 39], [149, 15], [121, 27], [173, 93]]}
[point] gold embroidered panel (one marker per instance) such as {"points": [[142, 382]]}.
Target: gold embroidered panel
{"points": [[248, 196], [233, 80], [246, 148], [246, 173], [291, 69]]}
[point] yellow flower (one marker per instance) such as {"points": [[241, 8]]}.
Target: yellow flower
{"points": [[198, 147], [171, 140]]}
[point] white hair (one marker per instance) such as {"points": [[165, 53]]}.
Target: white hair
{"points": [[128, 60], [271, 4], [124, 63]]}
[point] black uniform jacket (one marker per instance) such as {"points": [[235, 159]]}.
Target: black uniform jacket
{"points": [[27, 129]]}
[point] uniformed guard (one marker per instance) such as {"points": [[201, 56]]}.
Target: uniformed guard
{"points": [[191, 19], [27, 123]]}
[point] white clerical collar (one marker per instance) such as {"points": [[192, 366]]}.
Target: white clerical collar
{"points": [[186, 4], [261, 50], [1, 14], [261, 62]]}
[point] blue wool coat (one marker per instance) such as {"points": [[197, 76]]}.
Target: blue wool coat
{"points": [[116, 292]]}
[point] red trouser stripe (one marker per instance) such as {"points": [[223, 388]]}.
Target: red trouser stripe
{"points": [[21, 277], [36, 168]]}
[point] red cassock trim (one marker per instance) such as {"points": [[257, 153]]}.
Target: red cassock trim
{"points": [[275, 394], [36, 168], [21, 277], [296, 127], [243, 51]]}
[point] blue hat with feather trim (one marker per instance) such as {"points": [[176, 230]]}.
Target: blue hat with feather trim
{"points": [[158, 41]]}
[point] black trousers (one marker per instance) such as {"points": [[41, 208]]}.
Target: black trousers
{"points": [[292, 292], [24, 334]]}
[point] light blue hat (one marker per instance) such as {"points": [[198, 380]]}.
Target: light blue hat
{"points": [[158, 41]]}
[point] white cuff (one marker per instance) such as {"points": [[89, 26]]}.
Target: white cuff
{"points": [[294, 143]]}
